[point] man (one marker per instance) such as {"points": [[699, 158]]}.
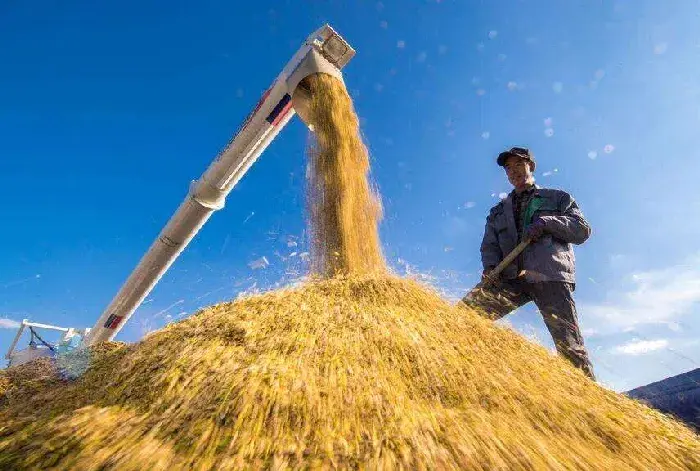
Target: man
{"points": [[544, 271]]}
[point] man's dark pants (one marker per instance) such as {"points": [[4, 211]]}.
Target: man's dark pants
{"points": [[556, 304]]}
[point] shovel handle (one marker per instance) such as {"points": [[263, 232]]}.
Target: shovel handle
{"points": [[493, 274]]}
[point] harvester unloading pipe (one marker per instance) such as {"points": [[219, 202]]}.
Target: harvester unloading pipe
{"points": [[325, 51]]}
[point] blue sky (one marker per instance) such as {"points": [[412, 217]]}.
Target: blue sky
{"points": [[108, 110]]}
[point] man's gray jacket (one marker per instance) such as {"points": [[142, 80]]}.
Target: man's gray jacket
{"points": [[550, 258]]}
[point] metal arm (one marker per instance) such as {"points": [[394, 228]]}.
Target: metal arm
{"points": [[8, 355]]}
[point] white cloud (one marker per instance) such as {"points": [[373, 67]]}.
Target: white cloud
{"points": [[485, 135], [655, 297], [640, 347], [557, 87], [401, 44], [493, 34], [512, 85], [660, 48], [675, 327], [469, 204], [589, 332], [8, 324], [618, 261]]}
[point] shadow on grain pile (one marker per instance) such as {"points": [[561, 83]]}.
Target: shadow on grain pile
{"points": [[357, 370]]}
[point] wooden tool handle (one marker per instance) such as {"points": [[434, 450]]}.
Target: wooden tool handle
{"points": [[493, 274]]}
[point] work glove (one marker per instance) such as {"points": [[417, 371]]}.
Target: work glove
{"points": [[535, 230], [486, 272]]}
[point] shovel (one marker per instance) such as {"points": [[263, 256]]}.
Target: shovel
{"points": [[496, 272]]}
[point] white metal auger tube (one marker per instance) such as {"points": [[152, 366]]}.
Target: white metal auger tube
{"points": [[325, 52]]}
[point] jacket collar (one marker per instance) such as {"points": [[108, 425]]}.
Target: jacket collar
{"points": [[535, 187]]}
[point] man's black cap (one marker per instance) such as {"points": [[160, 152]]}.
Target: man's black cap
{"points": [[521, 152]]}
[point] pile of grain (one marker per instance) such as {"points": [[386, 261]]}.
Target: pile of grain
{"points": [[23, 382], [372, 371], [360, 370]]}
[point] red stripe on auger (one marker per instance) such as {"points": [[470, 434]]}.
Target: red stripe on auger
{"points": [[113, 321], [280, 110]]}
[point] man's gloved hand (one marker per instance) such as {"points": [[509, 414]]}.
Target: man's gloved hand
{"points": [[535, 230], [486, 272]]}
